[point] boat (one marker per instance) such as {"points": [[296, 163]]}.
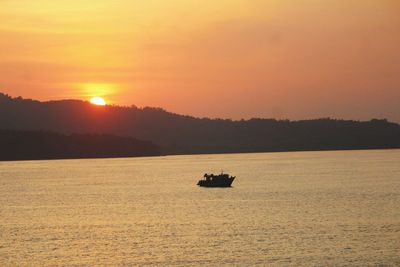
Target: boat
{"points": [[220, 180]]}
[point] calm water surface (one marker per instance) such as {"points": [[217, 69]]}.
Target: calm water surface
{"points": [[304, 208]]}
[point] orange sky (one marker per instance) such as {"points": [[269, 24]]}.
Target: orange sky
{"points": [[221, 58]]}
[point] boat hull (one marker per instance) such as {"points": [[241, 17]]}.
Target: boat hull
{"points": [[224, 183]]}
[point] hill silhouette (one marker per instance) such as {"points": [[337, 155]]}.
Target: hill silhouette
{"points": [[178, 134], [29, 145]]}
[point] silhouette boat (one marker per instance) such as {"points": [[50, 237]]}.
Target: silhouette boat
{"points": [[220, 180]]}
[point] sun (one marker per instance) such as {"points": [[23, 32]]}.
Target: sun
{"points": [[97, 100]]}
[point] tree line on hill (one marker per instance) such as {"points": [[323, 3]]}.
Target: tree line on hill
{"points": [[178, 134], [30, 145]]}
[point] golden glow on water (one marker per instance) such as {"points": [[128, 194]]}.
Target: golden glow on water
{"points": [[287, 209]]}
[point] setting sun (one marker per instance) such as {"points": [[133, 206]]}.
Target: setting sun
{"points": [[98, 101]]}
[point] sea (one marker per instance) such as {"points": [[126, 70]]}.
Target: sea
{"points": [[332, 208]]}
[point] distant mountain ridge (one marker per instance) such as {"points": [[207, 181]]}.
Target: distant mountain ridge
{"points": [[178, 134]]}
